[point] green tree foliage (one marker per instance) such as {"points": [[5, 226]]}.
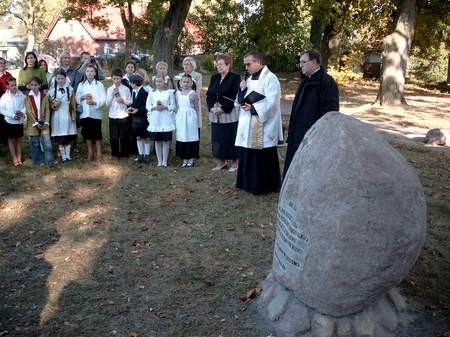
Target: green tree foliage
{"points": [[277, 29], [280, 31], [431, 44], [223, 26], [34, 16]]}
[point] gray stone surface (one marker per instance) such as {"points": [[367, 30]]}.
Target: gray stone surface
{"points": [[294, 320], [397, 299], [352, 218], [435, 137], [323, 326], [278, 304], [344, 327], [385, 315], [363, 326]]}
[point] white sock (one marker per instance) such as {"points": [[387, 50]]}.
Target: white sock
{"points": [[165, 152], [158, 150], [140, 146], [67, 148], [63, 153], [146, 148]]}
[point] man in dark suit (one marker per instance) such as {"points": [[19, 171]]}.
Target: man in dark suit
{"points": [[317, 94]]}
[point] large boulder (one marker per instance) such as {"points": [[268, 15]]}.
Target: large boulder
{"points": [[351, 218]]}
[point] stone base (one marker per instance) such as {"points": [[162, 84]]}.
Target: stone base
{"points": [[289, 317]]}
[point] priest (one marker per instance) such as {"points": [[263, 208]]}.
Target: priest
{"points": [[259, 128], [316, 95]]}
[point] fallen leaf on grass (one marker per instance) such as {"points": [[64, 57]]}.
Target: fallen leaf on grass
{"points": [[210, 283], [251, 294], [132, 334], [231, 228], [226, 191], [430, 306]]}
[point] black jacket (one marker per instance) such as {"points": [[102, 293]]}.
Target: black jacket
{"points": [[217, 91], [314, 98], [139, 102]]}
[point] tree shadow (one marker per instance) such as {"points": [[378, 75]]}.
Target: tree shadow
{"points": [[24, 237]]}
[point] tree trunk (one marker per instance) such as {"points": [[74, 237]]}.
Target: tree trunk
{"points": [[320, 15], [31, 40], [396, 48], [167, 33], [448, 71], [126, 13], [325, 51]]}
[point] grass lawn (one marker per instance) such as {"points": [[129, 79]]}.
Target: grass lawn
{"points": [[120, 249]]}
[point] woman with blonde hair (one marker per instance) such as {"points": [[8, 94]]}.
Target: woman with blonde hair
{"points": [[190, 67], [162, 70]]}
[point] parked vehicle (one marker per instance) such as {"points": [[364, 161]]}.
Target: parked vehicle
{"points": [[371, 66]]}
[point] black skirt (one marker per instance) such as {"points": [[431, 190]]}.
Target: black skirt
{"points": [[187, 150], [139, 125], [223, 137], [91, 128], [160, 136], [2, 129], [64, 140], [259, 170], [13, 130]]}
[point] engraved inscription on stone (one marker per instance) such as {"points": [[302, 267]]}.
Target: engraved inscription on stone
{"points": [[291, 244]]}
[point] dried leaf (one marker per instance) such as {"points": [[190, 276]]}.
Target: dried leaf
{"points": [[210, 283], [132, 334], [231, 228], [251, 294]]}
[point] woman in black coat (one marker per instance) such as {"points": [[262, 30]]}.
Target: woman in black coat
{"points": [[223, 115]]}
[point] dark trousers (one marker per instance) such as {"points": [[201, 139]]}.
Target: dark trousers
{"points": [[118, 137]]}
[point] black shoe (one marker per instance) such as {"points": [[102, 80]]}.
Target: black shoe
{"points": [[146, 158], [140, 159]]}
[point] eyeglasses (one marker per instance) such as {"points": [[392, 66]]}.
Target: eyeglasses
{"points": [[303, 62]]}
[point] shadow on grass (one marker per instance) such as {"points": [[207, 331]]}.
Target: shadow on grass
{"points": [[116, 249]]}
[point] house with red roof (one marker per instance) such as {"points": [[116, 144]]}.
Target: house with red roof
{"points": [[78, 36]]}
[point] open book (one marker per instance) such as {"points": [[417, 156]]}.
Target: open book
{"points": [[251, 98]]}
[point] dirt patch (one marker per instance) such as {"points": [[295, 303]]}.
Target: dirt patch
{"points": [[118, 249]]}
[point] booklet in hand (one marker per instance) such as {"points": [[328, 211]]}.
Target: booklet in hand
{"points": [[252, 97]]}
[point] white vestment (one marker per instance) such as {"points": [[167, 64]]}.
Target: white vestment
{"points": [[264, 129]]}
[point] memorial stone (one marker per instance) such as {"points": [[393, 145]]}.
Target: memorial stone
{"points": [[351, 224]]}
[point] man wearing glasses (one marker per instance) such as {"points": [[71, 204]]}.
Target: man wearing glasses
{"points": [[259, 128], [316, 95]]}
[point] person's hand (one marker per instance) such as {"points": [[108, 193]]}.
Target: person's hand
{"points": [[243, 85], [120, 100], [160, 106], [219, 111], [132, 110], [247, 106], [18, 115]]}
